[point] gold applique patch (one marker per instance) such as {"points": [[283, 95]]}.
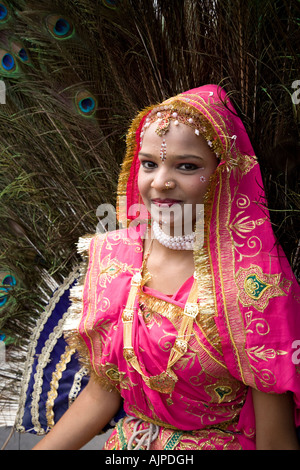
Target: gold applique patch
{"points": [[112, 268], [113, 374], [222, 392], [254, 287], [257, 288]]}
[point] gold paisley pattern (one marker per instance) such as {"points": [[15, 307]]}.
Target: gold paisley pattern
{"points": [[257, 288]]}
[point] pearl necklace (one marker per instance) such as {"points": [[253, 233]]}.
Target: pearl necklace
{"points": [[185, 242]]}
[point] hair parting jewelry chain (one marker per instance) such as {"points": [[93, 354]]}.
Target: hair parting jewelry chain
{"points": [[163, 115], [163, 151]]}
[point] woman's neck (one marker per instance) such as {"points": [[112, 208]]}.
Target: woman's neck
{"points": [[168, 269]]}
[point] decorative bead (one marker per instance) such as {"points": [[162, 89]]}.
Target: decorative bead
{"points": [[197, 132], [185, 242]]}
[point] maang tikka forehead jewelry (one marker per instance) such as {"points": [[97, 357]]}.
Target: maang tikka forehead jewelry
{"points": [[163, 151], [164, 115]]}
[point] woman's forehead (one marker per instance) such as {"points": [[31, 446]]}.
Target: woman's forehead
{"points": [[180, 139]]}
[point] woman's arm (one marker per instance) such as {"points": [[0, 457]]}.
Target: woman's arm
{"points": [[85, 418], [274, 416]]}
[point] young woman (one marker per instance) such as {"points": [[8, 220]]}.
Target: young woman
{"points": [[194, 333]]}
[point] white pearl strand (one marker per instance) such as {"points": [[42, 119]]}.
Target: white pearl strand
{"points": [[185, 242]]}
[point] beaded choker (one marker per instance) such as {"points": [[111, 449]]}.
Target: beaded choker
{"points": [[185, 242]]}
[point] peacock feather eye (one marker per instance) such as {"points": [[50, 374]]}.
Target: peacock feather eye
{"points": [[59, 27], [86, 103], [7, 281], [20, 52], [3, 296], [7, 62], [112, 4], [4, 15], [23, 55]]}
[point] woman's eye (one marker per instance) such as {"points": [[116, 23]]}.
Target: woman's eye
{"points": [[188, 166], [148, 165]]}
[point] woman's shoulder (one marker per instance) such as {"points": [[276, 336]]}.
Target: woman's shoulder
{"points": [[128, 236]]}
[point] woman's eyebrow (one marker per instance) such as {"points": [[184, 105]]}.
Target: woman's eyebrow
{"points": [[187, 156], [143, 154], [178, 157]]}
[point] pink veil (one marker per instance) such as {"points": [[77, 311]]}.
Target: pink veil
{"points": [[245, 280]]}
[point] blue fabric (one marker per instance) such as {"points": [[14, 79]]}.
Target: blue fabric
{"points": [[66, 381]]}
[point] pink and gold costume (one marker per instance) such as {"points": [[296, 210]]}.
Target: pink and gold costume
{"points": [[245, 332]]}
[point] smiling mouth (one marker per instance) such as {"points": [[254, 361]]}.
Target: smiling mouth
{"points": [[165, 202]]}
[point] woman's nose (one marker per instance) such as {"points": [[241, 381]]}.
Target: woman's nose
{"points": [[161, 180]]}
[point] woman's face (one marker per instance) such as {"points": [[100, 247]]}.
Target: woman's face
{"points": [[188, 165]]}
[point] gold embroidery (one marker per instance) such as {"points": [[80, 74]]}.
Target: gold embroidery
{"points": [[222, 264], [113, 375], [254, 287], [257, 288], [42, 360], [209, 437], [56, 376], [110, 269], [243, 225], [245, 163], [265, 376], [188, 359], [261, 325], [150, 305], [164, 382], [260, 353], [118, 237], [225, 391], [222, 392], [139, 414]]}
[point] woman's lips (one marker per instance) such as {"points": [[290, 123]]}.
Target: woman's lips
{"points": [[165, 202]]}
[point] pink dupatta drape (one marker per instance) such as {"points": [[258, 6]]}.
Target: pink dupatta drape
{"points": [[249, 323]]}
